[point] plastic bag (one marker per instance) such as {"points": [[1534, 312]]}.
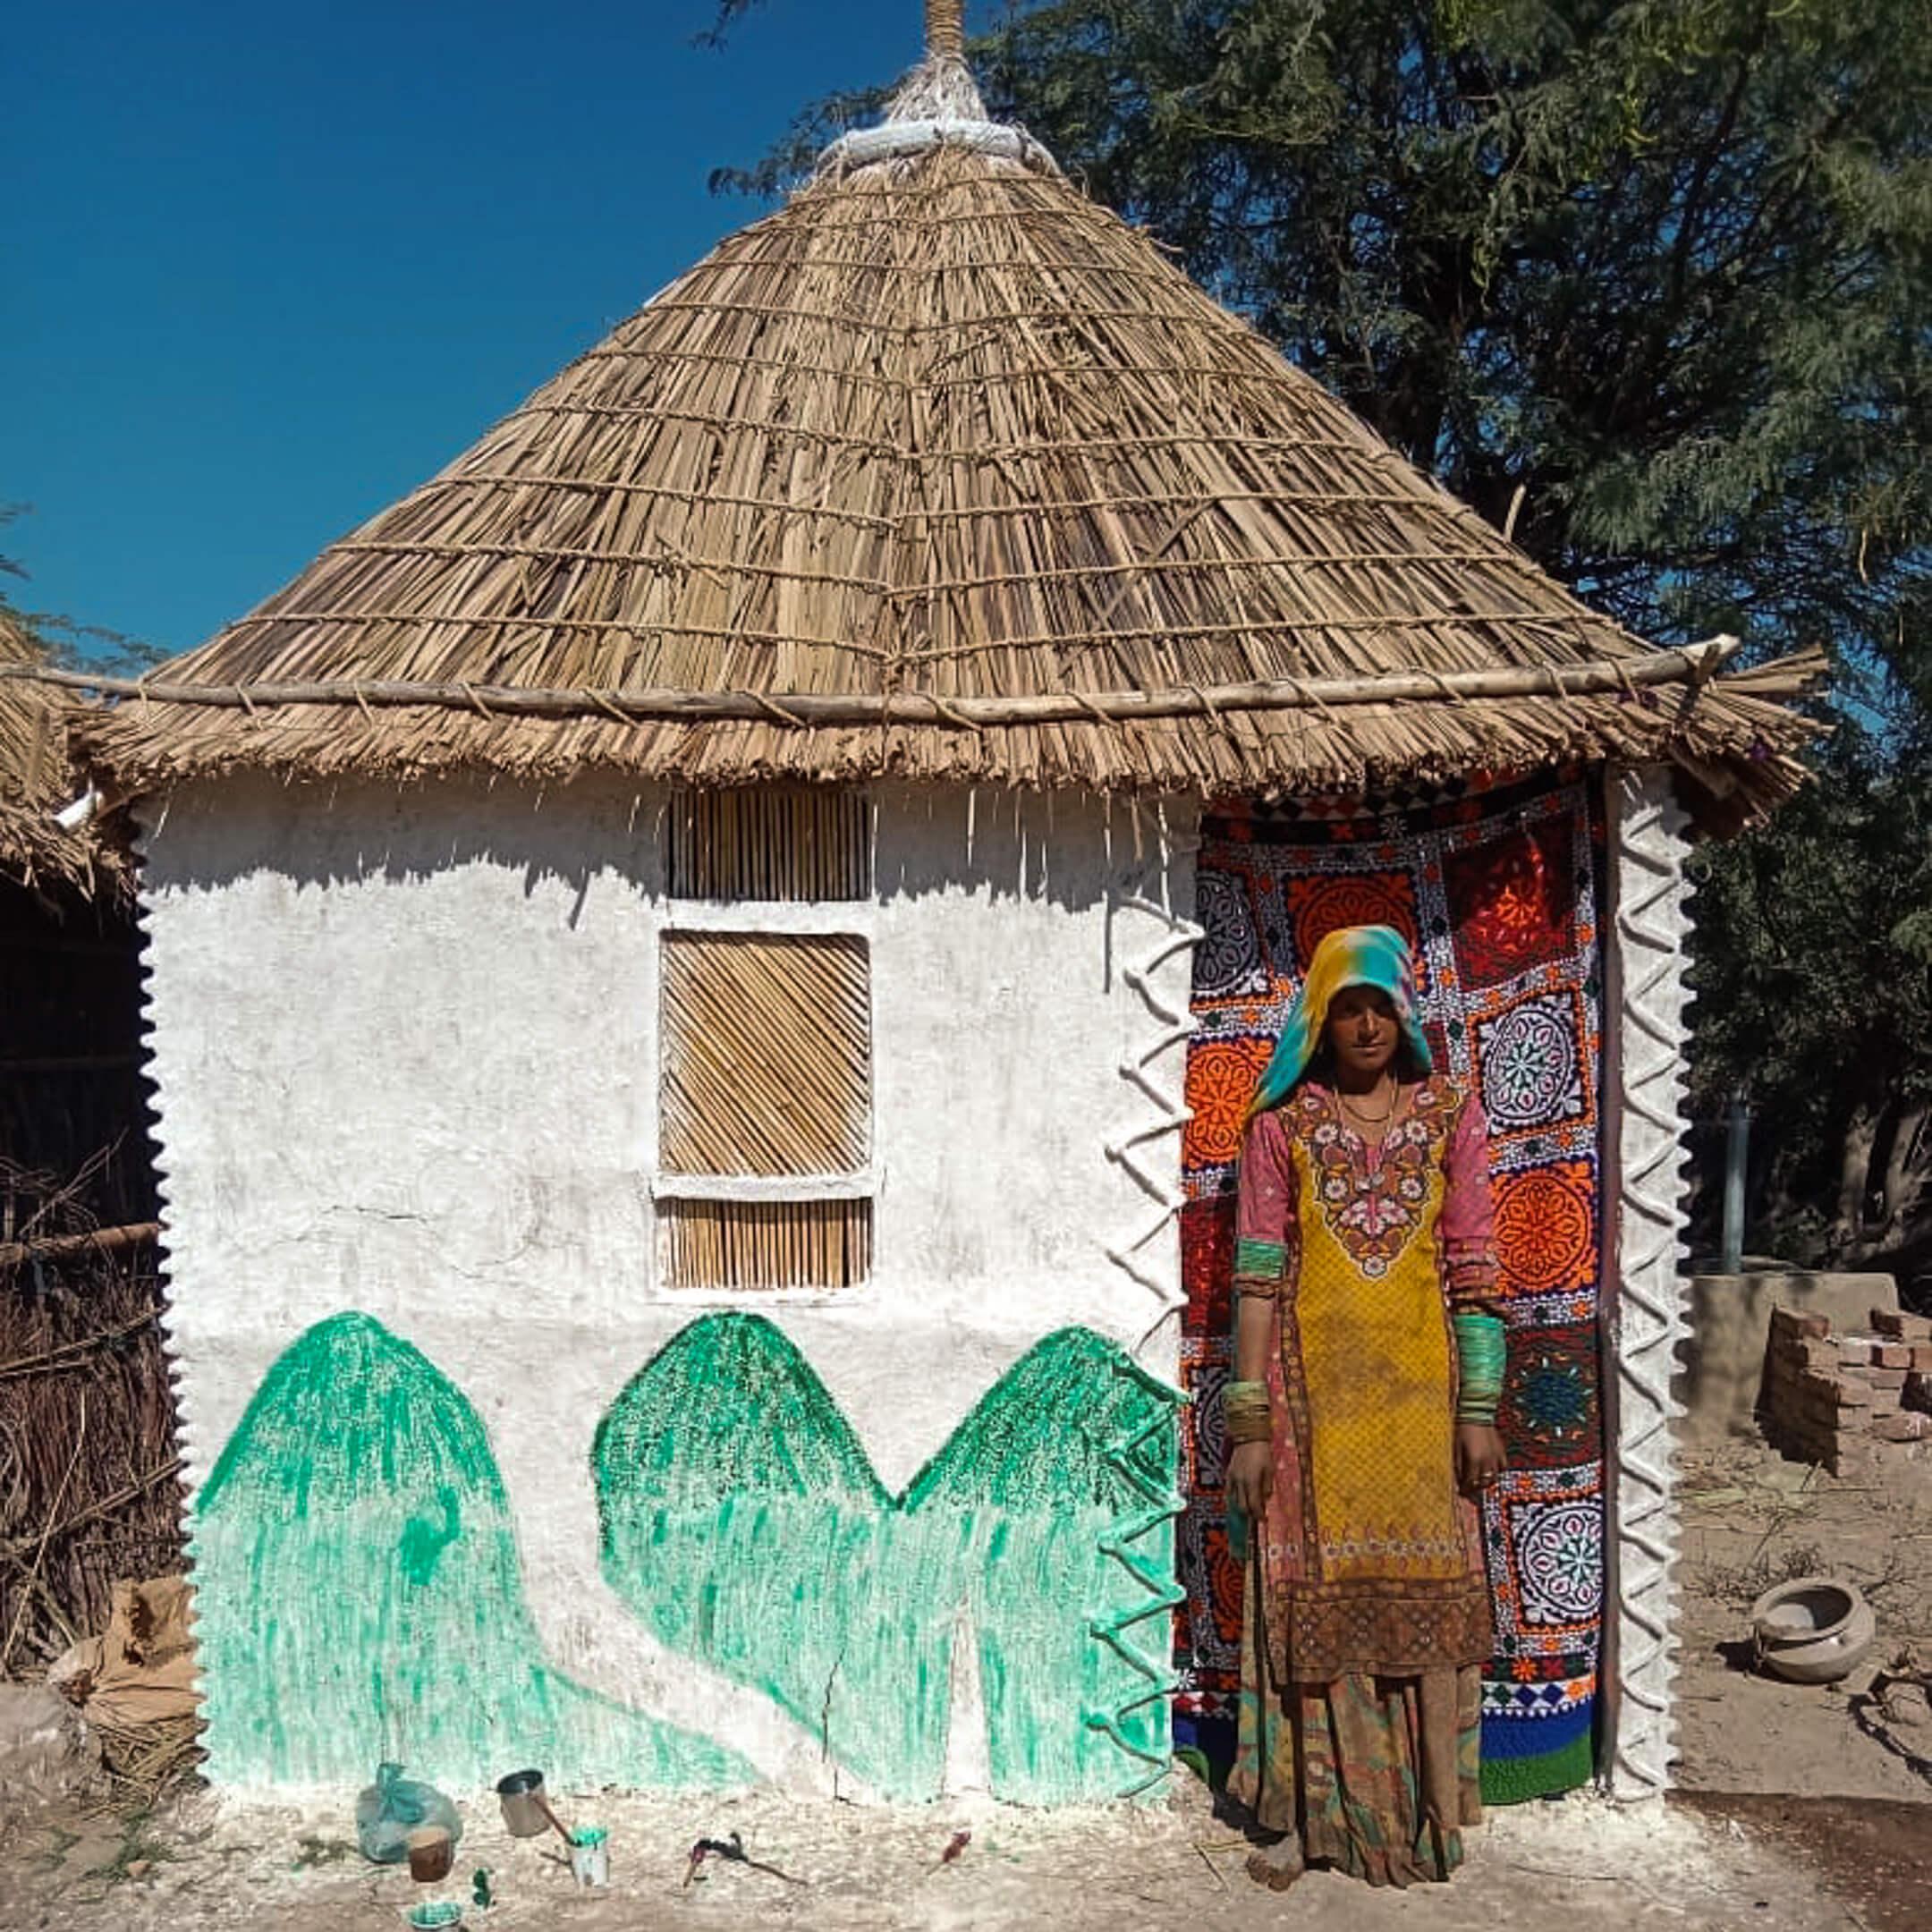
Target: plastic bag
{"points": [[395, 1806]]}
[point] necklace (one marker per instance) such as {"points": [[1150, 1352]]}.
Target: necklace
{"points": [[1371, 1120]]}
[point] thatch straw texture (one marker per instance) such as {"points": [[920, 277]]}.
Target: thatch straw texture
{"points": [[36, 777], [950, 459]]}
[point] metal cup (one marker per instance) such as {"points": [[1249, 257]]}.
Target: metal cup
{"points": [[517, 1794]]}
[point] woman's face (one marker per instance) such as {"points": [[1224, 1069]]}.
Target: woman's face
{"points": [[1363, 1031]]}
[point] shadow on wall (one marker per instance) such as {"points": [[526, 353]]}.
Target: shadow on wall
{"points": [[360, 1595], [1002, 843]]}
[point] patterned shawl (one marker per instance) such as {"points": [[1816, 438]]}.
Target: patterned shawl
{"points": [[1375, 956]]}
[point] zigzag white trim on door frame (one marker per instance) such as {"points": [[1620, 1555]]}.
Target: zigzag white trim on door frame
{"points": [[1167, 861], [1650, 924]]}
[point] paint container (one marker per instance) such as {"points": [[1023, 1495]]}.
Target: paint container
{"points": [[431, 1853], [590, 1855], [439, 1918], [522, 1813]]}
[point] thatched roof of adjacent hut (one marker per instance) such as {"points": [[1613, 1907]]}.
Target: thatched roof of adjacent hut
{"points": [[36, 778], [942, 470]]}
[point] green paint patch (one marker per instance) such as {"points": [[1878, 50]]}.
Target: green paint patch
{"points": [[742, 1521], [359, 1595]]}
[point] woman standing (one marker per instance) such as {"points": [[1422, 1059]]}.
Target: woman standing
{"points": [[1368, 1358]]}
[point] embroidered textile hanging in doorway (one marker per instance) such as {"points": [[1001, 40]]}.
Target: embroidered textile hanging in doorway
{"points": [[1496, 890]]}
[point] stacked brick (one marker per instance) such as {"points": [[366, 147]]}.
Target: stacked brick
{"points": [[1857, 1404]]}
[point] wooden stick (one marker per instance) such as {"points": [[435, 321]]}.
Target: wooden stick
{"points": [[70, 1354], [97, 1240], [46, 1534], [106, 1506], [543, 1805], [1689, 666]]}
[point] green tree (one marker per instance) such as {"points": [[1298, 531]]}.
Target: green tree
{"points": [[1648, 284], [1814, 953], [64, 641]]}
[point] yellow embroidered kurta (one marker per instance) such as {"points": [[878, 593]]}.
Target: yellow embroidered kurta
{"points": [[1367, 1604]]}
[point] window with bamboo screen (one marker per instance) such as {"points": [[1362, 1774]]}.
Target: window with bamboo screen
{"points": [[767, 1079], [782, 843]]}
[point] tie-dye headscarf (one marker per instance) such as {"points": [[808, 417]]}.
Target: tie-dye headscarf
{"points": [[1375, 956]]}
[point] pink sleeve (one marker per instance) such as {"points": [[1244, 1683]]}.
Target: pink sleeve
{"points": [[1264, 1217], [1468, 1223]]}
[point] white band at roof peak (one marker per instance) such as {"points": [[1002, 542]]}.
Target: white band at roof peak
{"points": [[897, 139]]}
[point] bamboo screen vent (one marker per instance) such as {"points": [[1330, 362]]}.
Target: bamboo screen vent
{"points": [[776, 842], [767, 1075]]}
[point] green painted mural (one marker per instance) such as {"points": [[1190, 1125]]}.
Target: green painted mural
{"points": [[358, 1597], [742, 1521]]}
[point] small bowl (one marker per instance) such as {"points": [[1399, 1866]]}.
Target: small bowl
{"points": [[1813, 1630], [437, 1918]]}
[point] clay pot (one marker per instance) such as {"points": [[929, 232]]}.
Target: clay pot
{"points": [[1813, 1630], [431, 1852]]}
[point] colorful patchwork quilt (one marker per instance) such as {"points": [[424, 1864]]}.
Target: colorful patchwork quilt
{"points": [[1497, 891]]}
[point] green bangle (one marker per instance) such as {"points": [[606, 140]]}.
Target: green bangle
{"points": [[1481, 1356]]}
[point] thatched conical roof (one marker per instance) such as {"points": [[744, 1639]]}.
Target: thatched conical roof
{"points": [[36, 778], [943, 470]]}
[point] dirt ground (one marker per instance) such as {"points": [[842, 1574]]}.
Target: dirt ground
{"points": [[215, 1865], [1801, 1808], [1750, 1519]]}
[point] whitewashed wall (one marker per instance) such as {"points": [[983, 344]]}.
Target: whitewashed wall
{"points": [[405, 1055]]}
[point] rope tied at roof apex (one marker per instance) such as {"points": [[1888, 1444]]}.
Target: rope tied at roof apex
{"points": [[945, 30], [937, 106], [941, 88]]}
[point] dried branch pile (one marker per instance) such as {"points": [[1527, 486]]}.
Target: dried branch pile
{"points": [[36, 779], [87, 1486]]}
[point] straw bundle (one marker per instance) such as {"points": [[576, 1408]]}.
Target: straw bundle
{"points": [[941, 471], [35, 778]]}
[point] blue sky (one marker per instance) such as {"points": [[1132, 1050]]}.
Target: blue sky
{"points": [[268, 268]]}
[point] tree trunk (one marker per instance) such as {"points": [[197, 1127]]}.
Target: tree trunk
{"points": [[1906, 1153], [1854, 1177]]}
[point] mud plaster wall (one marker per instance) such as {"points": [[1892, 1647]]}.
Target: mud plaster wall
{"points": [[405, 1048]]}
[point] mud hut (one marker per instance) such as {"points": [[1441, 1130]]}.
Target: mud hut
{"points": [[702, 962]]}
